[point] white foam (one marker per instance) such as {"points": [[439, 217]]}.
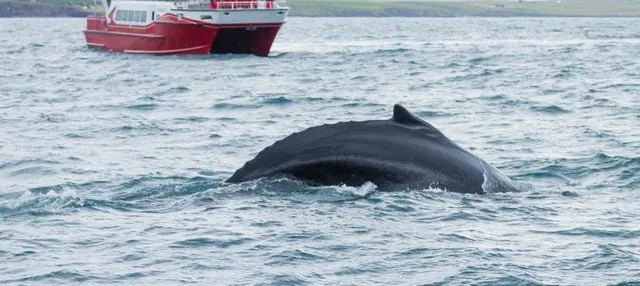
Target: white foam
{"points": [[51, 200], [362, 191]]}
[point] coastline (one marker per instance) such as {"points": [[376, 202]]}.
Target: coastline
{"points": [[469, 8], [373, 8], [20, 9]]}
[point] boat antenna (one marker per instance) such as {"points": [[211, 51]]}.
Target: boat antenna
{"points": [[106, 4]]}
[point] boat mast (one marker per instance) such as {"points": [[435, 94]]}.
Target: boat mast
{"points": [[106, 4]]}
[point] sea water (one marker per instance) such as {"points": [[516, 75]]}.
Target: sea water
{"points": [[112, 166]]}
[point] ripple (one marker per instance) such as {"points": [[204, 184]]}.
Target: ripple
{"points": [[292, 258], [288, 280], [192, 119], [550, 109], [27, 164], [52, 118], [435, 114], [143, 106], [480, 60], [280, 100], [224, 105], [392, 51], [208, 242], [593, 232], [62, 276], [172, 90]]}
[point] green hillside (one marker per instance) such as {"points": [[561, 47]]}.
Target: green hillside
{"points": [[378, 8], [581, 8], [40, 9]]}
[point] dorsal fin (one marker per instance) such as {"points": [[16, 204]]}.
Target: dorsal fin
{"points": [[403, 116]]}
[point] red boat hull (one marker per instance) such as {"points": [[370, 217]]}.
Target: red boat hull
{"points": [[170, 35]]}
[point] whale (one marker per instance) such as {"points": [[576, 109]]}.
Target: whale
{"points": [[400, 153]]}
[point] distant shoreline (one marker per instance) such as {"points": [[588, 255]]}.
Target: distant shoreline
{"points": [[486, 8], [20, 9], [371, 8]]}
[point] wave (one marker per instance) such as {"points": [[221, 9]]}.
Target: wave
{"points": [[144, 194], [205, 242], [478, 60], [144, 129], [550, 109], [60, 276], [278, 100], [29, 168], [593, 232], [226, 105], [435, 114], [617, 171], [37, 204], [476, 75], [395, 51], [171, 91], [27, 163], [296, 191], [165, 194], [143, 107]]}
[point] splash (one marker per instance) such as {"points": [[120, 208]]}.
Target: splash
{"points": [[42, 203]]}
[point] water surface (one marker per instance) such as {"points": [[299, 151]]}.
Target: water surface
{"points": [[112, 165]]}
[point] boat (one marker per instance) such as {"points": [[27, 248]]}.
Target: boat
{"points": [[187, 27]]}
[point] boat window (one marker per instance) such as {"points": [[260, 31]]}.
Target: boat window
{"points": [[132, 16]]}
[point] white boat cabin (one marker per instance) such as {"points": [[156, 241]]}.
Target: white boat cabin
{"points": [[143, 13]]}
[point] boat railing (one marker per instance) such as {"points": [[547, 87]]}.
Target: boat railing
{"points": [[228, 4]]}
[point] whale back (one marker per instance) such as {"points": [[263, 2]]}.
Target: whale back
{"points": [[398, 153]]}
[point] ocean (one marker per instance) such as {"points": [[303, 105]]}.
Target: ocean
{"points": [[112, 165]]}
